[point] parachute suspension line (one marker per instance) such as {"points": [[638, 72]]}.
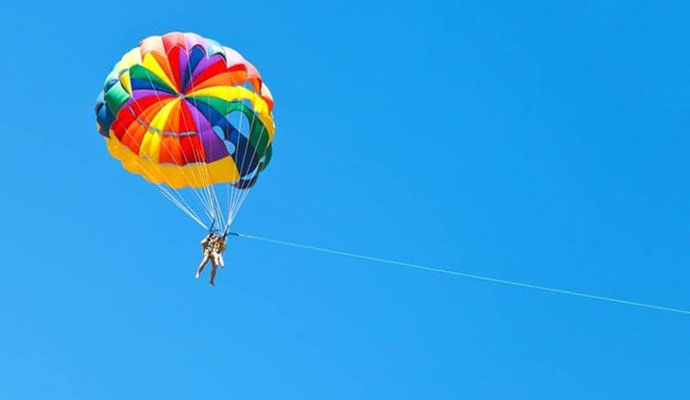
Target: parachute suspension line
{"points": [[507, 282], [187, 162], [264, 130], [218, 213], [232, 190], [242, 195], [236, 191], [186, 210], [228, 190], [202, 195], [166, 192], [231, 187], [179, 168], [211, 206], [180, 203]]}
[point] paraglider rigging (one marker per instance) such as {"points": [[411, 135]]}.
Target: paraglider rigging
{"points": [[192, 117]]}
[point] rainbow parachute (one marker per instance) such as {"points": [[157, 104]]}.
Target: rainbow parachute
{"points": [[192, 117]]}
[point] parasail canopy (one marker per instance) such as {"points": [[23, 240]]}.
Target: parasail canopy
{"points": [[192, 117]]}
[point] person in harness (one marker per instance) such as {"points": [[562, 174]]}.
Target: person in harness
{"points": [[212, 248]]}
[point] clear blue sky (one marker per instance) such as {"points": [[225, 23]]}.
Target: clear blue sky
{"points": [[524, 140]]}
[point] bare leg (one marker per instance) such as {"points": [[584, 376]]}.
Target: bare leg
{"points": [[218, 259], [214, 268], [204, 261]]}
